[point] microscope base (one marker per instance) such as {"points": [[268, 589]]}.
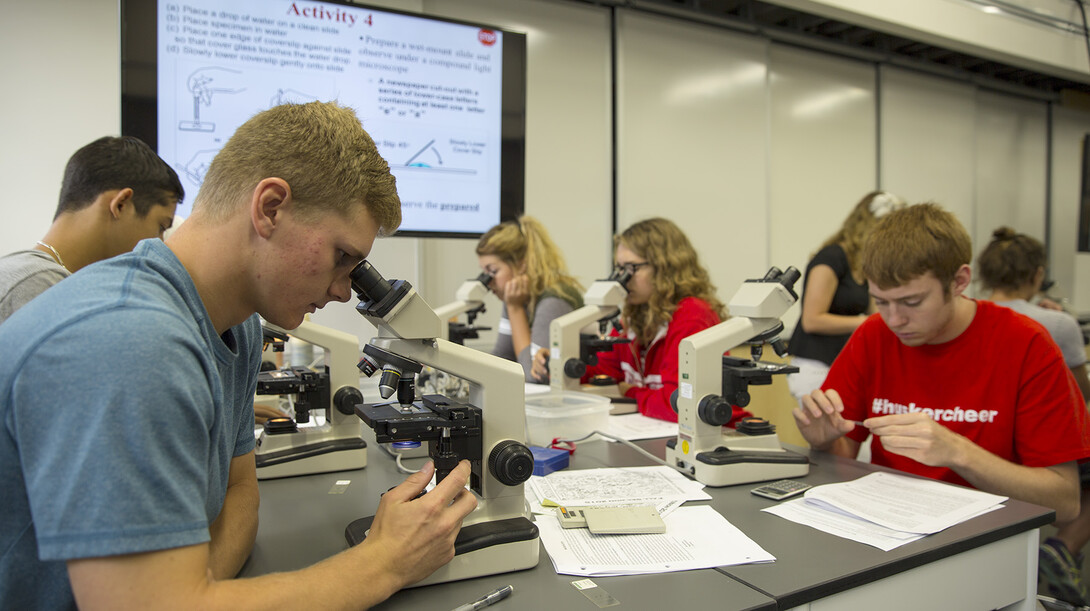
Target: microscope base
{"points": [[485, 548], [315, 457], [726, 467]]}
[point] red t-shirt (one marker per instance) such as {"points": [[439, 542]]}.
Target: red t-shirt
{"points": [[654, 376], [1002, 384]]}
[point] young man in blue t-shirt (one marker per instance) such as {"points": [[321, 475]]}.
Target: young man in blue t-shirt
{"points": [[126, 393]]}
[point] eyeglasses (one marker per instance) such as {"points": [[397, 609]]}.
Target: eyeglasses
{"points": [[630, 268]]}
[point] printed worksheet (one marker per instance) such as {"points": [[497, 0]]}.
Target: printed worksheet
{"points": [[616, 486]]}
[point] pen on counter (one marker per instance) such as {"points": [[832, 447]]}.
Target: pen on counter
{"points": [[491, 598]]}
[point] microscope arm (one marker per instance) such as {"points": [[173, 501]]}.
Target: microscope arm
{"points": [[468, 298], [755, 309], [342, 354], [564, 342], [700, 371]]}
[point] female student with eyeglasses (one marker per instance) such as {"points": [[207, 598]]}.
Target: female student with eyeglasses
{"points": [[670, 297]]}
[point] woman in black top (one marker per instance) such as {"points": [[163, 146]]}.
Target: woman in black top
{"points": [[835, 299]]}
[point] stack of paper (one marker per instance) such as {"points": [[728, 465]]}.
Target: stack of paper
{"points": [[695, 537], [886, 510]]}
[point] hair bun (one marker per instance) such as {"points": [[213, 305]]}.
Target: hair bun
{"points": [[1004, 233], [885, 202]]}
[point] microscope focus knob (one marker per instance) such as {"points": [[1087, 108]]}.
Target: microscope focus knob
{"points": [[714, 410], [574, 368], [511, 462], [346, 399]]}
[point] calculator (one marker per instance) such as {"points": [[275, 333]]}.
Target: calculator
{"points": [[782, 489]]}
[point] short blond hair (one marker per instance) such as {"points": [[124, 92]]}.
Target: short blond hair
{"points": [[320, 149], [915, 240]]}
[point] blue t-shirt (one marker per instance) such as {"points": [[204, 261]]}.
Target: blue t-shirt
{"points": [[121, 410]]}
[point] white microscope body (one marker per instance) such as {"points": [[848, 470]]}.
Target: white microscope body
{"points": [[567, 356], [489, 429], [468, 300], [709, 383], [284, 448]]}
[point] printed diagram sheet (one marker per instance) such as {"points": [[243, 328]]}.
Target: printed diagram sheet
{"points": [[617, 486]]}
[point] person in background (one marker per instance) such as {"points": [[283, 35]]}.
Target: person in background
{"points": [[957, 390], [129, 479], [115, 192], [670, 297], [530, 277], [834, 296], [1011, 269]]}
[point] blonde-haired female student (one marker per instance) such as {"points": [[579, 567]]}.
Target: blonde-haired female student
{"points": [[530, 277]]}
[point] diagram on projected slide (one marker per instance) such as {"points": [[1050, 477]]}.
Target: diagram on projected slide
{"points": [[430, 158], [204, 84], [197, 165], [216, 99], [434, 150]]}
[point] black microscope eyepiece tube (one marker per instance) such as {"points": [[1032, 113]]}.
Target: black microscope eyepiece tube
{"points": [[790, 277], [368, 283], [621, 276]]}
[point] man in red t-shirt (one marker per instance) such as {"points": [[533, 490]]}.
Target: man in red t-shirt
{"points": [[951, 388]]}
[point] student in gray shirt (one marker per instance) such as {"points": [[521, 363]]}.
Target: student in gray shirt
{"points": [[1011, 268], [529, 275], [115, 192]]}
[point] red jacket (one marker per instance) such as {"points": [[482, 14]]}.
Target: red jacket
{"points": [[654, 378]]}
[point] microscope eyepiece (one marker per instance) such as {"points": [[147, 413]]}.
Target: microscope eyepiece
{"points": [[620, 275], [368, 283], [485, 278], [790, 277]]}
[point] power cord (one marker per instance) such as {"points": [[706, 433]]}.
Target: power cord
{"points": [[631, 445], [397, 458]]}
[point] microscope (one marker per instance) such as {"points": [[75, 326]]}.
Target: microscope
{"points": [[489, 429], [297, 446], [710, 382], [572, 346], [469, 299]]}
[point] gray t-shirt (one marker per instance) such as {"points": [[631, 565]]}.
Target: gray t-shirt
{"points": [[1060, 325], [547, 308], [25, 274]]}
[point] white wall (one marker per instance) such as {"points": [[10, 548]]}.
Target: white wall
{"points": [[823, 132], [927, 132], [62, 89], [1011, 166], [1070, 268], [692, 140]]}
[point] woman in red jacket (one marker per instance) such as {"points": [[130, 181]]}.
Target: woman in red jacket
{"points": [[670, 297]]}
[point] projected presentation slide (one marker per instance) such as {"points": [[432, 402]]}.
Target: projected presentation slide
{"points": [[428, 92]]}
